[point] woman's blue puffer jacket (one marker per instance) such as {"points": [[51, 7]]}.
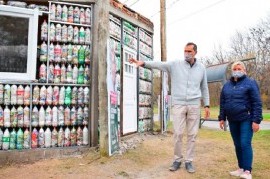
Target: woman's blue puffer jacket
{"points": [[241, 101]]}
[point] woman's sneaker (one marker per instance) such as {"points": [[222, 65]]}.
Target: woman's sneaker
{"points": [[237, 173], [246, 175]]}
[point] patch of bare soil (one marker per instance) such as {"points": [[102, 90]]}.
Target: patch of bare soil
{"points": [[150, 157]]}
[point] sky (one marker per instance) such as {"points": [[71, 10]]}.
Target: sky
{"points": [[208, 23]]}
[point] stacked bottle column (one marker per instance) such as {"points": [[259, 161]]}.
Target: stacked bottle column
{"points": [[15, 127], [115, 56], [145, 82]]}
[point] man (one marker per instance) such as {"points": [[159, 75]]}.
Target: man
{"points": [[189, 85]]}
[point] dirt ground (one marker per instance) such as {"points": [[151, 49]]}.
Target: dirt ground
{"points": [[150, 159]]}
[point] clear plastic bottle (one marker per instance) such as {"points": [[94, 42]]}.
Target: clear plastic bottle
{"points": [[70, 34], [49, 95], [13, 137], [82, 16], [64, 54], [7, 93], [26, 139], [48, 138], [51, 73], [73, 116], [13, 117], [61, 137], [41, 138], [57, 74], [75, 55], [54, 141], [85, 115], [1, 118], [1, 94], [87, 55], [80, 116], [55, 95], [26, 96], [41, 120], [67, 116], [52, 32], [62, 95], [86, 95], [26, 116], [53, 11], [36, 95], [58, 13], [65, 13], [76, 15], [76, 35], [34, 119], [57, 53], [70, 14], [6, 117], [85, 136], [74, 96], [34, 139], [54, 116], [51, 53], [73, 136], [79, 136], [20, 94], [87, 36], [44, 31], [88, 16], [20, 116], [81, 35], [43, 52], [63, 74], [48, 116], [13, 94], [61, 120], [86, 75], [80, 96], [75, 74], [19, 144], [42, 95], [80, 75], [6, 139], [69, 74], [58, 33]]}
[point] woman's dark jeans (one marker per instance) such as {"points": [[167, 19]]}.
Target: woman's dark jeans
{"points": [[242, 134]]}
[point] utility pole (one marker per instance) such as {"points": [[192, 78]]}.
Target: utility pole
{"points": [[163, 57]]}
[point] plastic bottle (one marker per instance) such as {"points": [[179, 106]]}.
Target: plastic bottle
{"points": [[85, 136], [1, 136], [73, 116], [82, 16], [81, 55], [20, 116], [80, 75], [57, 53], [86, 75], [36, 95], [68, 96], [13, 95], [85, 115], [53, 11], [35, 114], [70, 14], [49, 95], [58, 13], [1, 94], [86, 95], [64, 53], [43, 52], [12, 142], [54, 140], [76, 35], [42, 95], [87, 36], [26, 116], [55, 95], [62, 95], [73, 136], [20, 140], [80, 96], [48, 138], [54, 116], [69, 74], [67, 116], [74, 96], [20, 94], [26, 96], [6, 139], [63, 74], [87, 55], [75, 55], [76, 15], [7, 94], [13, 117], [51, 53], [41, 138], [67, 137], [1, 117], [79, 116], [42, 73], [41, 121], [79, 136], [51, 73], [75, 74], [34, 139], [6, 117], [48, 116], [61, 137], [57, 74], [81, 35], [58, 33], [70, 33], [65, 13], [52, 32], [88, 16], [44, 31], [61, 120], [26, 139]]}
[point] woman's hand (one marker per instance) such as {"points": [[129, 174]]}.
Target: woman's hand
{"points": [[255, 127]]}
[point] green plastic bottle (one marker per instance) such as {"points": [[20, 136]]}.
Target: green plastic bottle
{"points": [[20, 139], [68, 96], [80, 79], [81, 55]]}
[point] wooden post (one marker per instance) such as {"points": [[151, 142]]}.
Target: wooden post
{"points": [[163, 55], [99, 73]]}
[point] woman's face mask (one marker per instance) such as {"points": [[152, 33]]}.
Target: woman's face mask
{"points": [[237, 74]]}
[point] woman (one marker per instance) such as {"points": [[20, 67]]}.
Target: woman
{"points": [[241, 105]]}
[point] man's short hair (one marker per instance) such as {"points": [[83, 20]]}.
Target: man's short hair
{"points": [[194, 46]]}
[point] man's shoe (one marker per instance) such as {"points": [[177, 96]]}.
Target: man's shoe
{"points": [[189, 167], [246, 175], [237, 172], [175, 166]]}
